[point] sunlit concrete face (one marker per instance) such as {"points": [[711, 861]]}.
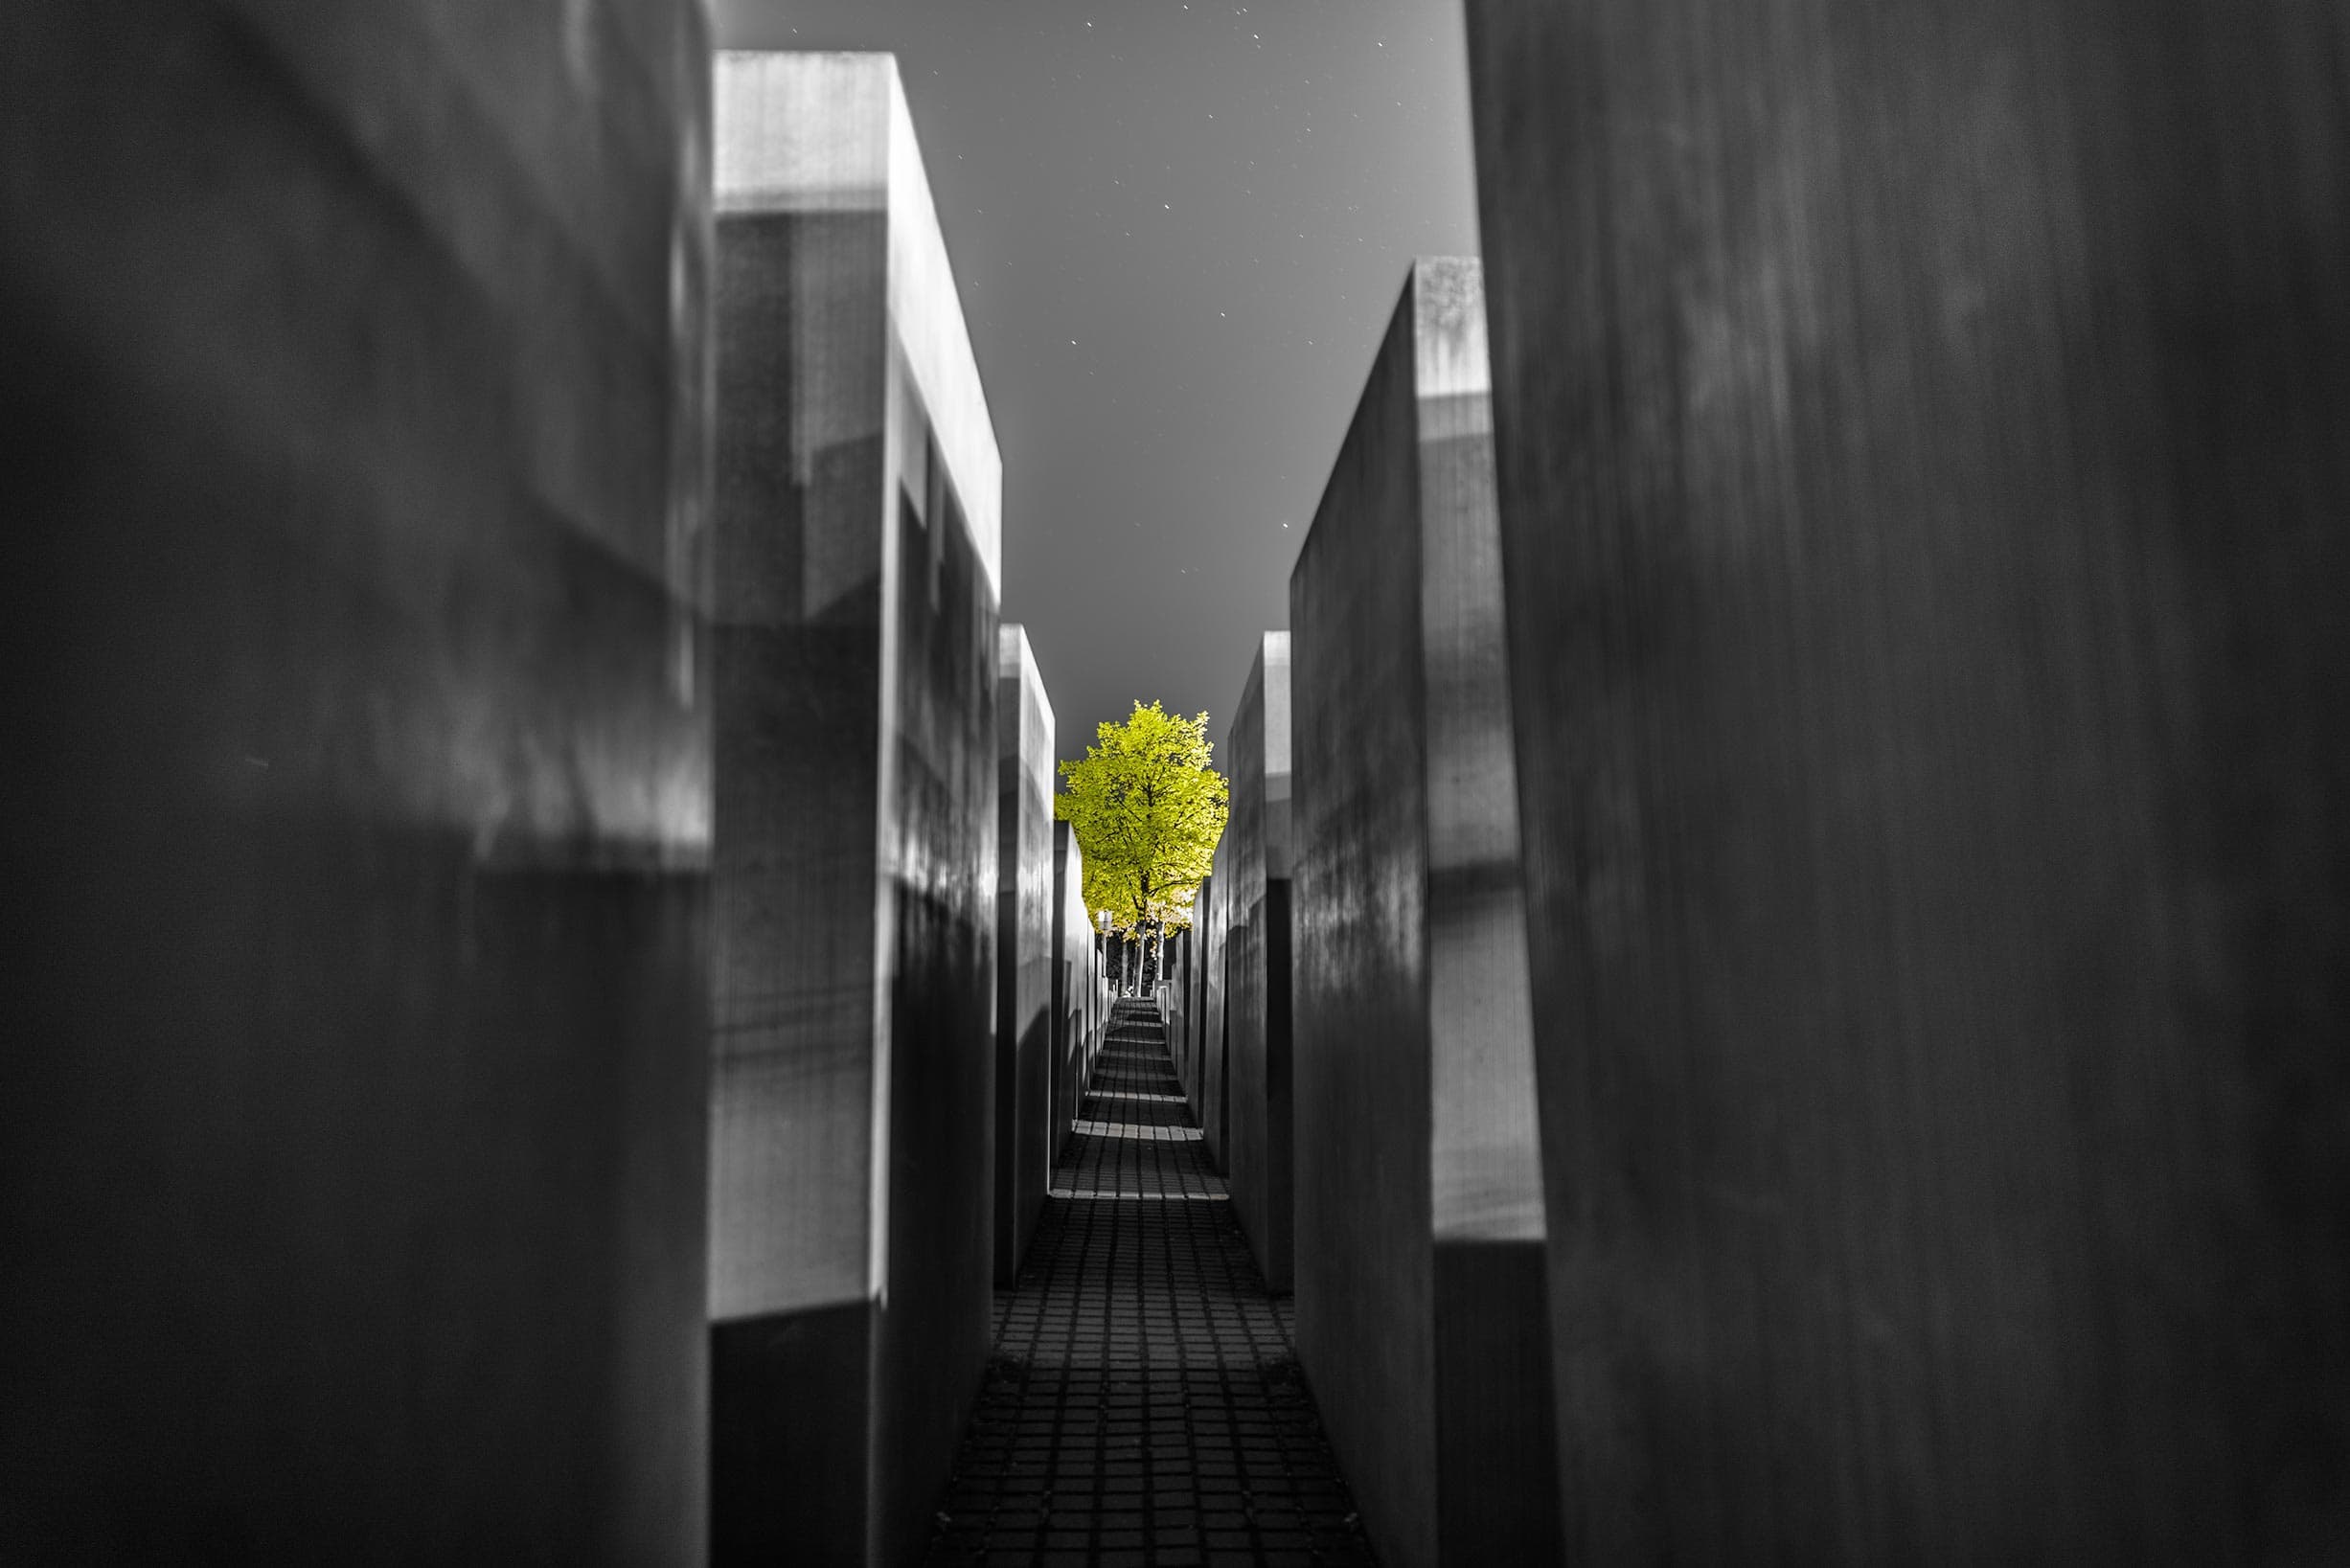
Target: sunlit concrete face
{"points": [[1025, 1139], [1256, 1081], [1421, 1315], [1189, 1042], [1922, 478], [1174, 981], [1081, 1000], [855, 655], [360, 782], [1207, 1094]]}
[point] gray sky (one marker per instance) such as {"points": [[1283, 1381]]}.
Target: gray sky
{"points": [[1180, 230]]}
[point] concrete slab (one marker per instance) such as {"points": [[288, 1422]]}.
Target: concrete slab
{"points": [[1921, 477], [1080, 990], [858, 492], [1256, 1132], [1208, 1099], [1422, 1320], [1025, 1137], [352, 1134], [1177, 989], [1189, 1041]]}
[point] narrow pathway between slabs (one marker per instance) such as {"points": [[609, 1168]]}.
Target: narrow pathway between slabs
{"points": [[1144, 1405]]}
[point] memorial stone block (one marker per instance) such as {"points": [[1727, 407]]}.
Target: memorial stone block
{"points": [[1208, 1096], [1079, 992], [1024, 1138], [352, 1100], [859, 487], [1192, 1047], [1174, 963], [1421, 1322], [1256, 1086], [1923, 483]]}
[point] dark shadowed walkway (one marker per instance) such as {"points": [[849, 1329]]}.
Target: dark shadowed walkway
{"points": [[1144, 1406]]}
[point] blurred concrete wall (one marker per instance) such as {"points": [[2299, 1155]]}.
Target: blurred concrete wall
{"points": [[352, 1134], [1421, 1315], [1208, 1096], [1080, 992], [1191, 1046], [858, 494], [1025, 1140], [1922, 475], [1177, 983], [1255, 1113]]}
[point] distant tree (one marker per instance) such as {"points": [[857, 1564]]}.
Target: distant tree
{"points": [[1146, 811]]}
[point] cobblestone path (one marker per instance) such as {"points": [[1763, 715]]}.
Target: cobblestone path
{"points": [[1144, 1405]]}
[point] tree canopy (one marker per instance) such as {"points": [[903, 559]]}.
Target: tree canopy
{"points": [[1146, 811]]}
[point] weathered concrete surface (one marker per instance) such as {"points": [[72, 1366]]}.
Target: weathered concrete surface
{"points": [[1208, 1097], [1175, 968], [1025, 1137], [851, 1124], [1190, 1046], [1922, 475], [1256, 1088], [352, 1140], [1201, 992], [1080, 992], [1422, 1321]]}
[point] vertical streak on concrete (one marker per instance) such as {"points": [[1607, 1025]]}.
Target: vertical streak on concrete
{"points": [[1496, 1449], [1077, 983], [1203, 945], [1025, 951], [856, 825], [359, 800], [1212, 1096], [1177, 973], [1199, 984], [1257, 1086], [1485, 1167], [803, 705], [1421, 1316], [1922, 473], [1195, 996], [1185, 1041]]}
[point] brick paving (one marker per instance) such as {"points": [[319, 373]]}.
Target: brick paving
{"points": [[1144, 1405]]}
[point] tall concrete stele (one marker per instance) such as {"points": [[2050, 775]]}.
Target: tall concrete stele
{"points": [[1256, 848], [1421, 1316], [1209, 1101], [1924, 438], [1025, 1139], [1080, 990], [1175, 970], [857, 498], [1191, 1048], [1185, 1012], [352, 1117]]}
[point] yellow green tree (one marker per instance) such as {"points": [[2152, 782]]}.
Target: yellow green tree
{"points": [[1146, 811]]}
